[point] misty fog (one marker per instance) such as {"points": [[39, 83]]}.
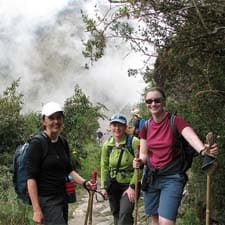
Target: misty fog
{"points": [[41, 43]]}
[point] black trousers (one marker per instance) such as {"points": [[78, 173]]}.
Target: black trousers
{"points": [[55, 210], [121, 207]]}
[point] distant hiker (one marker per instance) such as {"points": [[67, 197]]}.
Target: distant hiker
{"points": [[137, 121], [117, 173], [47, 174], [99, 137], [166, 179]]}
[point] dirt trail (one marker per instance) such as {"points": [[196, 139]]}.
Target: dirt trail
{"points": [[101, 212]]}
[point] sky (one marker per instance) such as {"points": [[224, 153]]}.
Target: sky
{"points": [[39, 41]]}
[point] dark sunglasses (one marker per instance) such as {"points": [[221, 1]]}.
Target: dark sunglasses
{"points": [[156, 100]]}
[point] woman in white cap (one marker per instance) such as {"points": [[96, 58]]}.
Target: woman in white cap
{"points": [[47, 174], [117, 173]]}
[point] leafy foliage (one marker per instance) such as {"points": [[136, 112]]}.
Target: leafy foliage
{"points": [[12, 210], [81, 123], [94, 47], [10, 118], [188, 37]]}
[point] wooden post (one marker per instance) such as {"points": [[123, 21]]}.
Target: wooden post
{"points": [[210, 171]]}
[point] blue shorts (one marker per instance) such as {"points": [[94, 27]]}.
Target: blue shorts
{"points": [[164, 195]]}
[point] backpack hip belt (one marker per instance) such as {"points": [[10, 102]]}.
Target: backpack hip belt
{"points": [[171, 168]]}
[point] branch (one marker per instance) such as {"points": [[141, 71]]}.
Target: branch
{"points": [[210, 91], [199, 15]]}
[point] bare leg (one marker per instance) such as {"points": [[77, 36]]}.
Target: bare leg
{"points": [[164, 221], [155, 219]]}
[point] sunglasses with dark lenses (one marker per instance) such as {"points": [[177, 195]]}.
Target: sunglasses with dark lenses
{"points": [[156, 100]]}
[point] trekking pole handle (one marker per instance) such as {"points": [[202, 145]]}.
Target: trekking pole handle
{"points": [[94, 177], [137, 155], [209, 138]]}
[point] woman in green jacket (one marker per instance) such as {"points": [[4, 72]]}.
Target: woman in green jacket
{"points": [[117, 173]]}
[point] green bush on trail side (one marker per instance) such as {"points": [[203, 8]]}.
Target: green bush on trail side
{"points": [[92, 162], [189, 218], [12, 210]]}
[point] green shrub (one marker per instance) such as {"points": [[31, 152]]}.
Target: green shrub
{"points": [[188, 218], [92, 162], [12, 210]]}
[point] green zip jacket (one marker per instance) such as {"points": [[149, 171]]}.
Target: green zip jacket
{"points": [[109, 161]]}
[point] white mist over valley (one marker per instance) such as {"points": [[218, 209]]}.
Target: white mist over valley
{"points": [[41, 43]]}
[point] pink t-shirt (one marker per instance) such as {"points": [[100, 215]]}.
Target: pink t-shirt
{"points": [[159, 137]]}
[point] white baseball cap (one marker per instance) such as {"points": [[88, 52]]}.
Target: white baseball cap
{"points": [[51, 108]]}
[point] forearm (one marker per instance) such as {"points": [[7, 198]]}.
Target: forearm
{"points": [[33, 194], [77, 178], [192, 138], [143, 151]]}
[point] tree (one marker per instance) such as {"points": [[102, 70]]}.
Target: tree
{"points": [[16, 128], [146, 24], [189, 42], [11, 121], [81, 123]]}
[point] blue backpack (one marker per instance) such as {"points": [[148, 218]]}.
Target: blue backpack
{"points": [[20, 167]]}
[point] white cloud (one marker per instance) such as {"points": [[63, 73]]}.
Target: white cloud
{"points": [[105, 82], [40, 9]]}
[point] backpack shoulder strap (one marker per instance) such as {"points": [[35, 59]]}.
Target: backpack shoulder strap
{"points": [[174, 129], [109, 147], [42, 137], [129, 144], [178, 143], [146, 124], [172, 120]]}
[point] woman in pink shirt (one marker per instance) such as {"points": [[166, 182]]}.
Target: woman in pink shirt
{"points": [[163, 195]]}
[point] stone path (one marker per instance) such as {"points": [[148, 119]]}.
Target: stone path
{"points": [[101, 212]]}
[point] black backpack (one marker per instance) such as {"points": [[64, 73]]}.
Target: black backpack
{"points": [[20, 166], [187, 152]]}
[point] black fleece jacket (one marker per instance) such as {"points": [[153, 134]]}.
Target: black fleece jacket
{"points": [[49, 168]]}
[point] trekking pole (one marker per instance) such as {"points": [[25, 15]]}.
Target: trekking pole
{"points": [[211, 169], [88, 216], [136, 188], [88, 209], [93, 181]]}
